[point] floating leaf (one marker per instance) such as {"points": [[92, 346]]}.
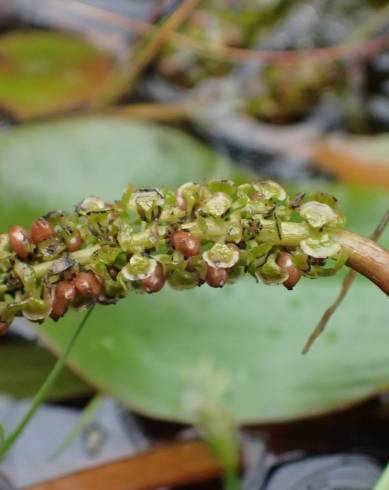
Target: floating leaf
{"points": [[43, 72], [144, 349]]}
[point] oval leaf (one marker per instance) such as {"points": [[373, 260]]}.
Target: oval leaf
{"points": [[148, 350]]}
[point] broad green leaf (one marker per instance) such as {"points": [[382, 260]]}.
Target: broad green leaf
{"points": [[148, 350], [43, 72], [24, 366]]}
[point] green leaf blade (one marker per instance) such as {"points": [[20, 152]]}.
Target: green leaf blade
{"points": [[144, 349]]}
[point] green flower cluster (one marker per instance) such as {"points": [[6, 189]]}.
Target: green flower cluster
{"points": [[210, 233]]}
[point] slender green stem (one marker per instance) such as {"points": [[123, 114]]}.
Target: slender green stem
{"points": [[383, 482], [82, 422], [44, 389]]}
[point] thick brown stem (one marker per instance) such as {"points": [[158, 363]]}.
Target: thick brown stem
{"points": [[366, 257]]}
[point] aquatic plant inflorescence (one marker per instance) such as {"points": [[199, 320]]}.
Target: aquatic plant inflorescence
{"points": [[210, 233]]}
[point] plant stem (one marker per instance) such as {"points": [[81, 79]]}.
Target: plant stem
{"points": [[383, 482], [346, 285], [44, 389], [366, 257], [82, 422], [144, 52]]}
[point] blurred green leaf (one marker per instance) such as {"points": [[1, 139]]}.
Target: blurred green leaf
{"points": [[43, 72], [146, 349], [24, 366]]}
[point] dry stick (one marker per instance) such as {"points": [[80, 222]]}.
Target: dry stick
{"points": [[241, 55], [154, 111], [172, 23], [346, 284], [145, 51]]}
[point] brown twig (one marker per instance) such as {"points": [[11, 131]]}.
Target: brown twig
{"points": [[171, 465], [242, 55], [359, 263], [162, 35], [154, 111], [344, 161], [144, 52]]}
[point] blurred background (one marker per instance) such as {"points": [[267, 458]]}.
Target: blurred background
{"points": [[97, 94]]}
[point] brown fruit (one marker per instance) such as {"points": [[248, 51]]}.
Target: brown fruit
{"points": [[87, 285], [216, 278], [19, 241], [156, 281], [74, 242], [41, 230], [285, 262], [186, 243], [64, 294]]}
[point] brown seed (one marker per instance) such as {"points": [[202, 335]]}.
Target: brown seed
{"points": [[216, 278], [74, 242], [19, 241], [87, 285], [156, 281], [41, 230], [286, 264], [186, 243], [64, 294], [66, 290], [4, 326]]}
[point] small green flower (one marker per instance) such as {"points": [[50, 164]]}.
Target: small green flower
{"points": [[270, 272], [138, 268], [318, 215], [218, 204], [148, 203], [320, 248], [271, 190], [36, 309], [91, 205], [222, 256]]}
